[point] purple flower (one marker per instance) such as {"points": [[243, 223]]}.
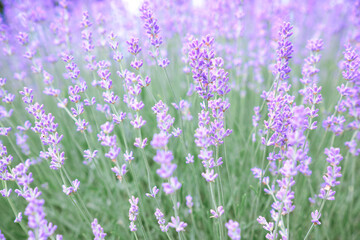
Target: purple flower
{"points": [[151, 27], [315, 217], [5, 131], [120, 173], [71, 189], [177, 224], [217, 213], [159, 140], [172, 186], [140, 144], [2, 237], [267, 226], [134, 47], [258, 173], [176, 132], [119, 118], [166, 170], [137, 64], [133, 212], [153, 192], [161, 220], [138, 122], [4, 192], [334, 156], [327, 194], [189, 202], [27, 95], [23, 38], [189, 158], [97, 230], [113, 153], [209, 175], [163, 157], [163, 62], [315, 45], [128, 156], [107, 127], [234, 231], [81, 125], [89, 156], [36, 216], [18, 218]]}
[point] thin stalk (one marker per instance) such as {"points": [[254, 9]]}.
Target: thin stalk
{"points": [[312, 225], [13, 208]]}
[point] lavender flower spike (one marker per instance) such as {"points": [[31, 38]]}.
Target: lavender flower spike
{"points": [[177, 224], [98, 231], [133, 212], [161, 220], [234, 230], [315, 217]]}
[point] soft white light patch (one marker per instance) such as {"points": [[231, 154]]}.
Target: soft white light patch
{"points": [[134, 5]]}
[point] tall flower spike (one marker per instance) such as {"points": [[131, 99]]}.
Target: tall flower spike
{"points": [[98, 231], [152, 30], [133, 212]]}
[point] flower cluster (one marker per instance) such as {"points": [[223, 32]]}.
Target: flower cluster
{"points": [[212, 85], [234, 231], [39, 226], [97, 230], [160, 141], [47, 129], [152, 29], [133, 212], [161, 220], [72, 189]]}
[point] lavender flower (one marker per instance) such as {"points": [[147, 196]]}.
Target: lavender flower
{"points": [[151, 27], [172, 186], [89, 156], [315, 217], [120, 173], [333, 172], [71, 189], [128, 156], [153, 192], [189, 158], [177, 224], [233, 230], [189, 203], [134, 47], [2, 237], [18, 218], [161, 220], [133, 212], [217, 213], [97, 230]]}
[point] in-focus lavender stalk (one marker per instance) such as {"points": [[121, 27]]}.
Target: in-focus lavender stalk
{"points": [[285, 130], [211, 83]]}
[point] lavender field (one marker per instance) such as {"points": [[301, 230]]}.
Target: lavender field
{"points": [[221, 119]]}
